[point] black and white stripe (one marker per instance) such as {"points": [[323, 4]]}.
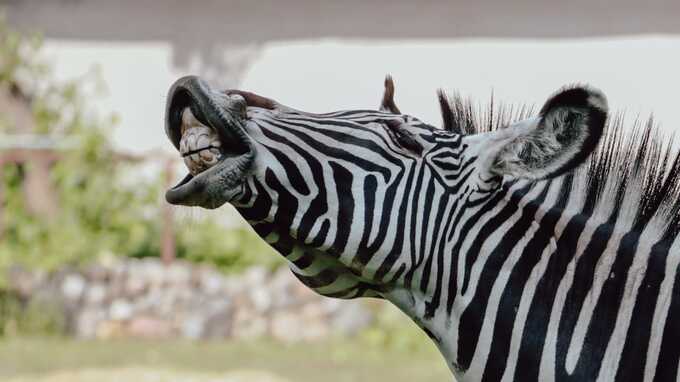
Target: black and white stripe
{"points": [[528, 251]]}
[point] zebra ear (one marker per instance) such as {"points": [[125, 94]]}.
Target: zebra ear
{"points": [[565, 133], [387, 104]]}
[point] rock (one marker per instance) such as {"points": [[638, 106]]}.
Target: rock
{"points": [[331, 305], [120, 310], [248, 325], [255, 276], [97, 273], [210, 282], [107, 330], [153, 271], [192, 327], [218, 325], [118, 273], [281, 289], [149, 328], [177, 273], [302, 293], [144, 298], [96, 294], [261, 299], [285, 326], [234, 285], [351, 318], [314, 331], [73, 286], [312, 311], [315, 322], [87, 322], [135, 285]]}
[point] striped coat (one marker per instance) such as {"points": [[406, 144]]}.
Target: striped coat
{"points": [[529, 248]]}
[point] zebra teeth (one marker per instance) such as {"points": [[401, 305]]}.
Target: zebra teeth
{"points": [[199, 145]]}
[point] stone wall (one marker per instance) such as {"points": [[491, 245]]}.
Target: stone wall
{"points": [[147, 299]]}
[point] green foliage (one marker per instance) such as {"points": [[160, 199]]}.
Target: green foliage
{"points": [[206, 242], [395, 331], [104, 207], [38, 317], [96, 214], [18, 55]]}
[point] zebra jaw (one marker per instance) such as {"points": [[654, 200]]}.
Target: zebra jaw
{"points": [[207, 129]]}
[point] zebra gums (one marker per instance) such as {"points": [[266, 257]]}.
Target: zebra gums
{"points": [[528, 249]]}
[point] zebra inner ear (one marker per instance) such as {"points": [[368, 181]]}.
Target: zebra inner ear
{"points": [[565, 133]]}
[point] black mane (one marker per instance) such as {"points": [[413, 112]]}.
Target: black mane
{"points": [[639, 160]]}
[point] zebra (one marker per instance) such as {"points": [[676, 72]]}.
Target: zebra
{"points": [[528, 246]]}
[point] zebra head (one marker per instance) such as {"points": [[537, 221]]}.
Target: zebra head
{"points": [[356, 199]]}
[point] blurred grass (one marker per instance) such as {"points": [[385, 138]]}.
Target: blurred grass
{"points": [[140, 374], [30, 359]]}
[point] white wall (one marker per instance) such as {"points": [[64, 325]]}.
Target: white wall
{"points": [[639, 75]]}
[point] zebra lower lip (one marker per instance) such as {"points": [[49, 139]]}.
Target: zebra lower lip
{"points": [[213, 186]]}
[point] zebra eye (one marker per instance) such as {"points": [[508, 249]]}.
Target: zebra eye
{"points": [[402, 137]]}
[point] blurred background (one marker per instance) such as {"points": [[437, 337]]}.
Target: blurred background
{"points": [[100, 280]]}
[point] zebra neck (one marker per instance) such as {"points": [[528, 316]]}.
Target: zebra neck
{"points": [[320, 271], [525, 275]]}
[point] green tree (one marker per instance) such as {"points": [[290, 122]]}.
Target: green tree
{"points": [[100, 211]]}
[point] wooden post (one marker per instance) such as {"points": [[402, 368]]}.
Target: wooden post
{"points": [[168, 235]]}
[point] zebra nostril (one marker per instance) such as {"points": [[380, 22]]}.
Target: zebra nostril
{"points": [[235, 104], [237, 98]]}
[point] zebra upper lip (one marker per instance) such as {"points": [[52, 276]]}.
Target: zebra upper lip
{"points": [[225, 115], [225, 118]]}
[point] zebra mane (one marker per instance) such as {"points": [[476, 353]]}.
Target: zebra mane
{"points": [[634, 171], [462, 116]]}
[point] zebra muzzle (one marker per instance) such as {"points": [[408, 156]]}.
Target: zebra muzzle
{"points": [[207, 128]]}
